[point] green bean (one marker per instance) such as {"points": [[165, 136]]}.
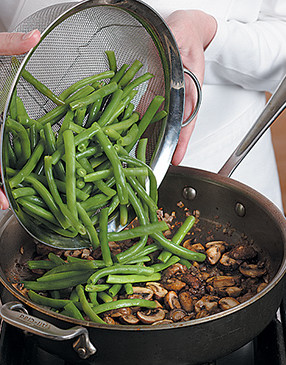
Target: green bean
{"points": [[137, 231], [132, 279], [123, 213], [22, 115], [116, 164], [162, 266], [111, 208], [144, 251], [10, 154], [130, 137], [91, 98], [84, 265], [95, 201], [70, 171], [41, 87], [159, 115], [139, 80], [104, 297], [72, 311], [66, 275], [57, 284], [49, 302], [142, 193], [65, 125], [83, 82], [53, 115], [123, 303], [29, 166], [119, 74], [91, 231], [98, 175], [109, 110], [130, 73], [79, 94], [54, 191], [40, 264], [48, 199], [80, 183], [13, 105], [132, 251], [104, 188], [34, 136], [111, 60], [179, 236], [34, 209], [89, 152], [83, 146], [80, 114], [138, 260], [93, 298], [178, 250], [86, 306], [186, 263], [91, 288], [94, 111], [80, 195], [56, 259], [112, 134], [119, 269], [114, 290], [105, 250], [128, 288], [25, 191], [124, 124], [24, 139]]}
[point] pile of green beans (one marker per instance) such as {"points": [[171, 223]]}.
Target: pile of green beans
{"points": [[62, 177], [73, 180]]}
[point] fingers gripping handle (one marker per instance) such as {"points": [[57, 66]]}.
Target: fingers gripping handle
{"points": [[15, 314], [199, 97]]}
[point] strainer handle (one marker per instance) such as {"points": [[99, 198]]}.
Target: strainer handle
{"points": [[199, 97]]}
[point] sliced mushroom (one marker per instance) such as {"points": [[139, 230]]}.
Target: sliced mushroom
{"points": [[140, 292], [130, 319], [207, 302], [202, 313], [120, 312], [171, 300], [227, 263], [174, 284], [109, 320], [227, 303], [197, 247], [158, 290], [243, 252], [233, 291], [177, 314], [213, 254], [261, 287], [222, 282], [185, 298], [151, 316], [174, 269], [164, 321], [251, 270]]}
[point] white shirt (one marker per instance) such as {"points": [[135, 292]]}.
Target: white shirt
{"points": [[246, 58]]}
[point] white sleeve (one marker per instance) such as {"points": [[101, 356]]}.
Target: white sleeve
{"points": [[251, 55]]}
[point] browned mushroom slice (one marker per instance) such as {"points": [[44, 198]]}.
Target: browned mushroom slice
{"points": [[174, 284], [164, 321], [185, 298], [172, 300], [233, 291], [227, 303], [222, 282], [251, 270], [120, 312], [227, 263], [151, 316], [177, 314], [174, 269], [158, 290], [220, 244], [207, 302], [261, 287], [243, 252], [213, 254], [130, 319], [141, 293], [197, 247], [109, 320]]}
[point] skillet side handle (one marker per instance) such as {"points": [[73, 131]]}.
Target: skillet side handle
{"points": [[15, 314], [199, 97]]}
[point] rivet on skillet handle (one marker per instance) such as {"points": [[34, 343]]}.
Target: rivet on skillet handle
{"points": [[199, 97], [15, 314]]}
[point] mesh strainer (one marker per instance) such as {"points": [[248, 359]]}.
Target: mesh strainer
{"points": [[74, 40]]}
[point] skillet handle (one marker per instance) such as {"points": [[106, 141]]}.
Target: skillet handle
{"points": [[15, 314], [270, 113]]}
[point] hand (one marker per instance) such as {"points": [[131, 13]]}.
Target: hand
{"points": [[18, 43], [193, 31], [14, 44]]}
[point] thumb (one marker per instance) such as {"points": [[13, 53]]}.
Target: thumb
{"points": [[18, 43]]}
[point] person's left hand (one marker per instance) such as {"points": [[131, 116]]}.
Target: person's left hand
{"points": [[15, 44], [193, 31]]}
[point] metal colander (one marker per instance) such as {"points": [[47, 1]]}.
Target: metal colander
{"points": [[74, 39]]}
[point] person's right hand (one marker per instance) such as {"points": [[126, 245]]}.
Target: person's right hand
{"points": [[15, 44]]}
